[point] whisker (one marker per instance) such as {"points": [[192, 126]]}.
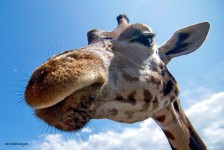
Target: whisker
{"points": [[95, 129], [80, 136]]}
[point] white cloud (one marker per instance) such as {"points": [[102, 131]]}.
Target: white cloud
{"points": [[86, 130], [192, 95], [147, 135], [206, 116]]}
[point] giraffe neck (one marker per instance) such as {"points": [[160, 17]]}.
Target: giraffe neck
{"points": [[178, 129]]}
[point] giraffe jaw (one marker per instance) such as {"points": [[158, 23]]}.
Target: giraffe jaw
{"points": [[62, 90], [71, 114]]}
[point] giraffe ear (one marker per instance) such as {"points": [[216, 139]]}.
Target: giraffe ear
{"points": [[96, 35], [184, 41]]}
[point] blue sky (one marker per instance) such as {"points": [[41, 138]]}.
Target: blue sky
{"points": [[32, 31]]}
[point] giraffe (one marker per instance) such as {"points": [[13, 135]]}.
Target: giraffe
{"points": [[120, 75]]}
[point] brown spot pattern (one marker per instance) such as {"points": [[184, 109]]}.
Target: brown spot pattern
{"points": [[129, 78], [161, 118], [172, 98], [147, 96], [155, 103], [147, 99], [113, 112], [155, 69], [154, 80], [169, 135], [119, 98], [195, 142], [109, 47], [131, 98], [176, 106], [129, 114], [167, 88]]}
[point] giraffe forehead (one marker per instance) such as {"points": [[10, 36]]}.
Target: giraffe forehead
{"points": [[131, 30], [137, 27]]}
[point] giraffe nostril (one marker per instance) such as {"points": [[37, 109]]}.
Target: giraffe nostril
{"points": [[43, 74], [42, 71], [37, 77]]}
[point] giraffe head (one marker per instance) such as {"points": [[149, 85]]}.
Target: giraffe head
{"points": [[121, 75]]}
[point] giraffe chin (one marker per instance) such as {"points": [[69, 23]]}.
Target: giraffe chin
{"points": [[71, 114]]}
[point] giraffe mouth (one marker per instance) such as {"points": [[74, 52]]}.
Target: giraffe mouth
{"points": [[71, 114], [61, 76], [66, 109], [42, 92], [62, 93]]}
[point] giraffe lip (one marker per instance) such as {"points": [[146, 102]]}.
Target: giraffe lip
{"points": [[49, 101], [73, 115], [65, 98]]}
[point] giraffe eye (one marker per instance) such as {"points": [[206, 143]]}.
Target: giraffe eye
{"points": [[145, 39]]}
